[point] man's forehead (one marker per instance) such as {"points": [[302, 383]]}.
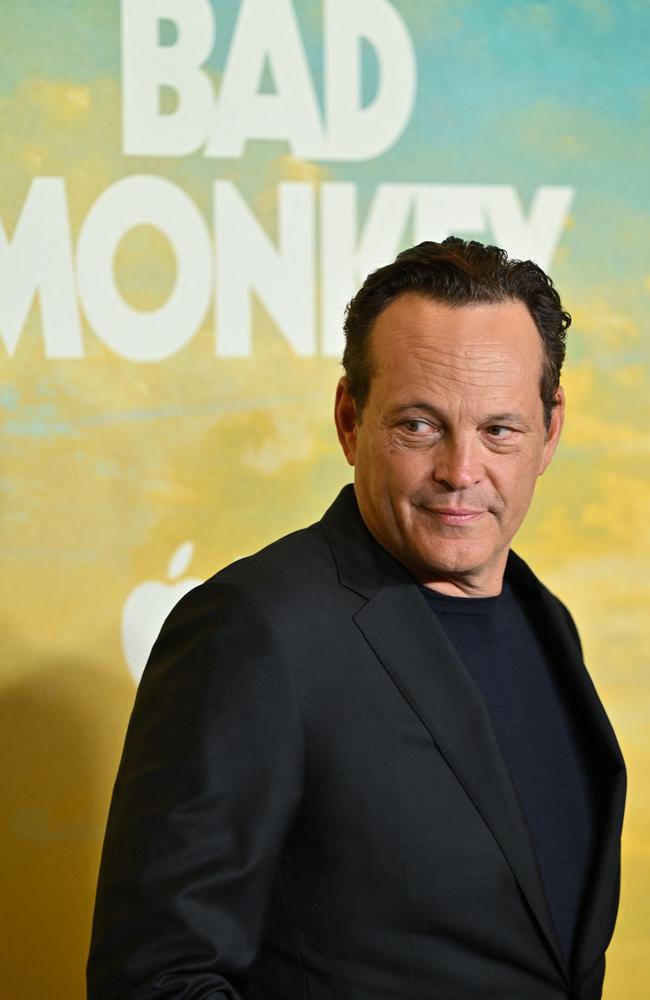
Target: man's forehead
{"points": [[414, 331]]}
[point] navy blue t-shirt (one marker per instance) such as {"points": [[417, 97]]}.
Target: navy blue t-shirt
{"points": [[538, 735]]}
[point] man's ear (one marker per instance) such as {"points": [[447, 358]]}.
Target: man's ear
{"points": [[554, 430], [345, 417]]}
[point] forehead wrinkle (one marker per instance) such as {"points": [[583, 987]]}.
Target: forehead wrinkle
{"points": [[442, 394], [444, 376], [478, 376], [459, 366], [429, 354]]}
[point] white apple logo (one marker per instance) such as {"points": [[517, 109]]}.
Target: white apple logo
{"points": [[147, 606]]}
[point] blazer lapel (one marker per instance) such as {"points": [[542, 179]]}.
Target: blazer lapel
{"points": [[414, 649], [431, 677], [605, 761]]}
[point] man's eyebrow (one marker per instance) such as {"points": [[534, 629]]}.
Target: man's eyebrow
{"points": [[507, 418], [416, 405]]}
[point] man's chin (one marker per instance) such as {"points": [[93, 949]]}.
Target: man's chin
{"points": [[450, 559]]}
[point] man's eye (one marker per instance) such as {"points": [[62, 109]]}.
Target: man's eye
{"points": [[417, 426], [499, 431]]}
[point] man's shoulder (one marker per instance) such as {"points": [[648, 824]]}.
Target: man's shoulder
{"points": [[291, 583], [299, 560], [270, 596], [302, 563]]}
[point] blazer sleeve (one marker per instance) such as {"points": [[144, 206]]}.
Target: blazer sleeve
{"points": [[207, 790]]}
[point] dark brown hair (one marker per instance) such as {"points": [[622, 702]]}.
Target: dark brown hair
{"points": [[457, 272]]}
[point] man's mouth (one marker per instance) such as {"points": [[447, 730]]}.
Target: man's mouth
{"points": [[456, 515]]}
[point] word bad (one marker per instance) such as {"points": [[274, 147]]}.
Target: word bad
{"points": [[266, 38], [319, 245]]}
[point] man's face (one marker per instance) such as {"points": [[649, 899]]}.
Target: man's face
{"points": [[451, 439]]}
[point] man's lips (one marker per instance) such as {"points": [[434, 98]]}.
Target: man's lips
{"points": [[456, 515]]}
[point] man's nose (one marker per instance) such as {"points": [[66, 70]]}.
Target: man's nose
{"points": [[457, 463]]}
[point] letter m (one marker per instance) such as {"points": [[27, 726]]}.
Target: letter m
{"points": [[38, 259]]}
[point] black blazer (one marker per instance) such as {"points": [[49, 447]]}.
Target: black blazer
{"points": [[312, 802]]}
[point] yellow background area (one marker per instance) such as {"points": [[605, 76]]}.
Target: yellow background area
{"points": [[109, 465]]}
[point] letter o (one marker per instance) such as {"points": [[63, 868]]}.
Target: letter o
{"points": [[135, 201]]}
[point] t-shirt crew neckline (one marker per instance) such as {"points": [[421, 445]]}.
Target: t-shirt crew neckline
{"points": [[449, 604]]}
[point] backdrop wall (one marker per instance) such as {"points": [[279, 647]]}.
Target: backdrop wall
{"points": [[189, 194]]}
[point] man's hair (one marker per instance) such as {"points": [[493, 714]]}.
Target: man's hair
{"points": [[458, 273]]}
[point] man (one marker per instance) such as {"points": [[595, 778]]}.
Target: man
{"points": [[368, 762]]}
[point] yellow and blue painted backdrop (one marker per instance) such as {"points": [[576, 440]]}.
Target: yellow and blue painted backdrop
{"points": [[189, 193]]}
